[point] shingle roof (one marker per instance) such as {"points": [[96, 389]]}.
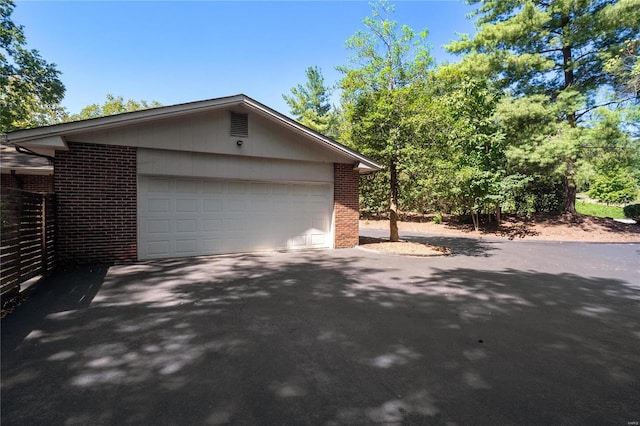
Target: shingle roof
{"points": [[10, 159]]}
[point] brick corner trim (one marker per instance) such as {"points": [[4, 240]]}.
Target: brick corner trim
{"points": [[345, 205], [96, 188]]}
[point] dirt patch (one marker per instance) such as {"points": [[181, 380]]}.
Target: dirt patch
{"points": [[552, 228], [406, 248]]}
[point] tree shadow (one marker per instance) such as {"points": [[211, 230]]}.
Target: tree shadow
{"points": [[323, 338], [67, 289]]}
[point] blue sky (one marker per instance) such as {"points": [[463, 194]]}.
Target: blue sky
{"points": [[177, 52]]}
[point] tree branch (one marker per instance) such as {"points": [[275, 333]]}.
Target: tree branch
{"points": [[618, 102]]}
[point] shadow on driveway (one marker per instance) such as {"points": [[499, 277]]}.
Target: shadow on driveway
{"points": [[335, 337]]}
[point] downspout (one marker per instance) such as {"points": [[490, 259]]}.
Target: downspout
{"points": [[18, 179]]}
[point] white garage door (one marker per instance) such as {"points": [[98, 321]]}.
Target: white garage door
{"points": [[188, 217]]}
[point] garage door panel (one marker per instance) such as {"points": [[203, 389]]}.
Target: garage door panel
{"points": [[186, 225], [211, 225], [318, 239], [188, 246], [188, 205], [157, 226], [212, 205], [158, 185], [186, 186], [160, 205], [211, 187], [184, 217], [236, 205], [158, 248], [211, 245]]}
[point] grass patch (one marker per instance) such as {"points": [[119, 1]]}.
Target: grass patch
{"points": [[599, 210]]}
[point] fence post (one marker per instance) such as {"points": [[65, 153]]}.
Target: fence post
{"points": [[43, 239]]}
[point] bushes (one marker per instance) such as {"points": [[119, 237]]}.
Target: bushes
{"points": [[632, 211], [614, 187]]}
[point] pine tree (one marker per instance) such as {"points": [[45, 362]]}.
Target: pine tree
{"points": [[558, 55]]}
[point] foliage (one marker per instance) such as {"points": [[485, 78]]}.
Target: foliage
{"points": [[31, 87], [624, 65], [309, 104], [380, 89], [613, 156], [618, 186], [599, 210], [632, 211], [312, 96], [113, 105], [551, 60]]}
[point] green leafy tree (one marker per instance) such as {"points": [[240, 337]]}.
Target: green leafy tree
{"points": [[379, 88], [309, 104], [552, 55], [624, 65], [613, 156], [31, 87], [113, 105], [461, 165]]}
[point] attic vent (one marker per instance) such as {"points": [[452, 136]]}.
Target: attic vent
{"points": [[239, 124]]}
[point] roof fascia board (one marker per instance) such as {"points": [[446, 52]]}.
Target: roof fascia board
{"points": [[103, 123], [45, 136], [50, 142]]}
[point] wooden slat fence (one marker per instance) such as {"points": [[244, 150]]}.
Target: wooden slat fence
{"points": [[27, 246]]}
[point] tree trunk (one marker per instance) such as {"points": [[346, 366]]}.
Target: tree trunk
{"points": [[393, 202], [476, 220], [498, 214], [569, 205], [570, 191]]}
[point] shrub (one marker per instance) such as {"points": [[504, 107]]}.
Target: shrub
{"points": [[437, 219], [614, 187], [632, 211]]}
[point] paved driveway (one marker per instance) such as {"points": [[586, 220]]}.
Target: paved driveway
{"points": [[498, 333]]}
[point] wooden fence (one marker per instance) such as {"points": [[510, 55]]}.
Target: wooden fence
{"points": [[27, 248]]}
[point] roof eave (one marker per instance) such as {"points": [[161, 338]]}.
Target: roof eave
{"points": [[135, 117], [41, 137]]}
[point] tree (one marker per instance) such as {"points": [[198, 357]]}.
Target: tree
{"points": [[553, 54], [613, 156], [113, 105], [310, 106], [379, 87], [624, 65], [31, 88]]}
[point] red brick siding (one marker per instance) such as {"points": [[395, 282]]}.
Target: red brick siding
{"points": [[9, 181], [32, 183], [345, 205], [96, 187]]}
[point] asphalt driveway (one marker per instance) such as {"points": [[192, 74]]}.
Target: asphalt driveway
{"points": [[504, 332]]}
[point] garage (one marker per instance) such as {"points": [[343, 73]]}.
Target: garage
{"points": [[180, 217], [223, 175]]}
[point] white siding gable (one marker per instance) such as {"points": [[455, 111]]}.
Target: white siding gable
{"points": [[210, 133]]}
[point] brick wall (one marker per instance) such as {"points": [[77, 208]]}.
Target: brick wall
{"points": [[345, 205], [96, 188], [10, 181], [32, 183]]}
